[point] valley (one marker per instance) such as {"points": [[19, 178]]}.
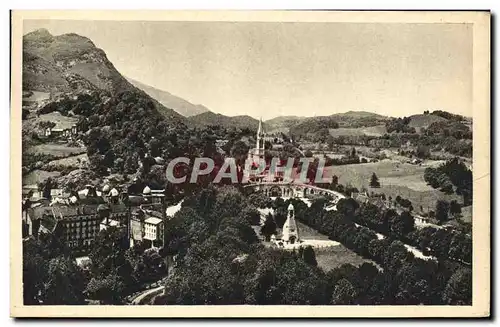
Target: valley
{"points": [[96, 150]]}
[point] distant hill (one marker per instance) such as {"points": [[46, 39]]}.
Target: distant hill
{"points": [[169, 100], [353, 119], [359, 114], [419, 121], [70, 64], [284, 121], [211, 118], [313, 125]]}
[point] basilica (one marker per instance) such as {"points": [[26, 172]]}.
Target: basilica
{"points": [[257, 153]]}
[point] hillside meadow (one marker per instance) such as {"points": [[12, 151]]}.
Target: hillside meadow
{"points": [[405, 180]]}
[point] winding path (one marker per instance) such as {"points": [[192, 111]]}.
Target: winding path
{"points": [[143, 295]]}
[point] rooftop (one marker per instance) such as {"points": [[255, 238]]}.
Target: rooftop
{"points": [[153, 220], [110, 222]]}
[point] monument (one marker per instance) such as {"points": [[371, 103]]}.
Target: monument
{"points": [[290, 230]]}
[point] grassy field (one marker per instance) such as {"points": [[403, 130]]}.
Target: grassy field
{"points": [[331, 257], [378, 130], [57, 150], [308, 233], [36, 96], [336, 256], [405, 180], [60, 120], [73, 161], [38, 176]]}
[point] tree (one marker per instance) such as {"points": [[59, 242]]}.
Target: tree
{"points": [[402, 224], [47, 188], [347, 207], [374, 181], [442, 208], [34, 271], [239, 151], [108, 290], [65, 283], [447, 187], [251, 215], [49, 277], [344, 293], [25, 114], [98, 164], [269, 227], [335, 181], [108, 256], [47, 124], [458, 290], [309, 256], [423, 152], [455, 208]]}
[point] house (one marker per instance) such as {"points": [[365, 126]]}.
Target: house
{"points": [[31, 191], [63, 127], [153, 230], [146, 225], [421, 220], [57, 132]]}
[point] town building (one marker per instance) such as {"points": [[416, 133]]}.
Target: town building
{"points": [[78, 217], [146, 226], [153, 230]]}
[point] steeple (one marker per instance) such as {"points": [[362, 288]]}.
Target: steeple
{"points": [[256, 155], [259, 130]]}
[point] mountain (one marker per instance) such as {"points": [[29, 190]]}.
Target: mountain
{"points": [[211, 118], [70, 64], [169, 100]]}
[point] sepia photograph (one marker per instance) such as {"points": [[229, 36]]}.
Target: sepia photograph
{"points": [[231, 163]]}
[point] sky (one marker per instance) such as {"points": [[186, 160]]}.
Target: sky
{"points": [[269, 69]]}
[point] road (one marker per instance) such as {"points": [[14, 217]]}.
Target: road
{"points": [[144, 294]]}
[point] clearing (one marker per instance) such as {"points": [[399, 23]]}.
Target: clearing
{"points": [[330, 257], [38, 176], [336, 256], [56, 149], [74, 162], [405, 180], [378, 130]]}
